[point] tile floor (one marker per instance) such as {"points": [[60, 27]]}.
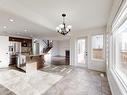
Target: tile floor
{"points": [[5, 91], [75, 81], [34, 82]]}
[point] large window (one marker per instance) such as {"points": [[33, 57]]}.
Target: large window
{"points": [[118, 47], [120, 54], [97, 47]]}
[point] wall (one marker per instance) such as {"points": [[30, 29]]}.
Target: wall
{"points": [[4, 53], [59, 47], [63, 45], [95, 65]]}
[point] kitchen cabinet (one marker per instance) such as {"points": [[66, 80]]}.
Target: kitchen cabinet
{"points": [[24, 42], [13, 60]]}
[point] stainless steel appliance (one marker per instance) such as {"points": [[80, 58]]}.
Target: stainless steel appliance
{"points": [[35, 48], [21, 61], [15, 47]]}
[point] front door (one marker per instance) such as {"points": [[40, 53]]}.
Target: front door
{"points": [[82, 52]]}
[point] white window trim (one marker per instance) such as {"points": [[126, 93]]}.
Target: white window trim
{"points": [[120, 16]]}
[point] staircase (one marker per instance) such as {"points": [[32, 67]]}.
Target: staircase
{"points": [[48, 44]]}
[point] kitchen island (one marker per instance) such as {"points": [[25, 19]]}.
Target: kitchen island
{"points": [[25, 62], [38, 60]]}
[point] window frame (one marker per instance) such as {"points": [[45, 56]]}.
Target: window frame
{"points": [[119, 21], [115, 57], [112, 61]]}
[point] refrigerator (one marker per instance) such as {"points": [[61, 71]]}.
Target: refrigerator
{"points": [[35, 48], [15, 48]]}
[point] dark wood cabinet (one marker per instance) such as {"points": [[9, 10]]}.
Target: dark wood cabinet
{"points": [[13, 60], [24, 42]]}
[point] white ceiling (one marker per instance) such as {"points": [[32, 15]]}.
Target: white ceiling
{"points": [[40, 17]]}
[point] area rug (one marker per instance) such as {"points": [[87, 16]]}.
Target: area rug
{"points": [[35, 83]]}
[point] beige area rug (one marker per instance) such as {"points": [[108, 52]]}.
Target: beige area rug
{"points": [[35, 83]]}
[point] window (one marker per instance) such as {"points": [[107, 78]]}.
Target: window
{"points": [[97, 47], [120, 53], [81, 50], [81, 46], [118, 47]]}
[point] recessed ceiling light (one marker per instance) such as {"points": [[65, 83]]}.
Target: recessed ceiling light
{"points": [[4, 27], [25, 30], [11, 20]]}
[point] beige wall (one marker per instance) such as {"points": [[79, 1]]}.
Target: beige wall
{"points": [[63, 45], [59, 47]]}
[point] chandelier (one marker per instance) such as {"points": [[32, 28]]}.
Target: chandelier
{"points": [[62, 28]]}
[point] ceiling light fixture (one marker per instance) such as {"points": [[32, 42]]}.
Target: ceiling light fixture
{"points": [[4, 27], [62, 28], [11, 20], [25, 30]]}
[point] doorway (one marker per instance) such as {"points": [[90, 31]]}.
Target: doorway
{"points": [[82, 52]]}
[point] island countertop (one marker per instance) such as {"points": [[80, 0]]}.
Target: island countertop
{"points": [[31, 55]]}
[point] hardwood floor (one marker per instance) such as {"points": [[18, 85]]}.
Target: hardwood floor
{"points": [[60, 60], [77, 81]]}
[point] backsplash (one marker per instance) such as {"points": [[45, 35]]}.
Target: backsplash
{"points": [[26, 50]]}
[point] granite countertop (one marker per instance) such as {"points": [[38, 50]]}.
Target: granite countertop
{"points": [[32, 55], [36, 55]]}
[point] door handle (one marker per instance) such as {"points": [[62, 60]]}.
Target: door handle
{"points": [[86, 54]]}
